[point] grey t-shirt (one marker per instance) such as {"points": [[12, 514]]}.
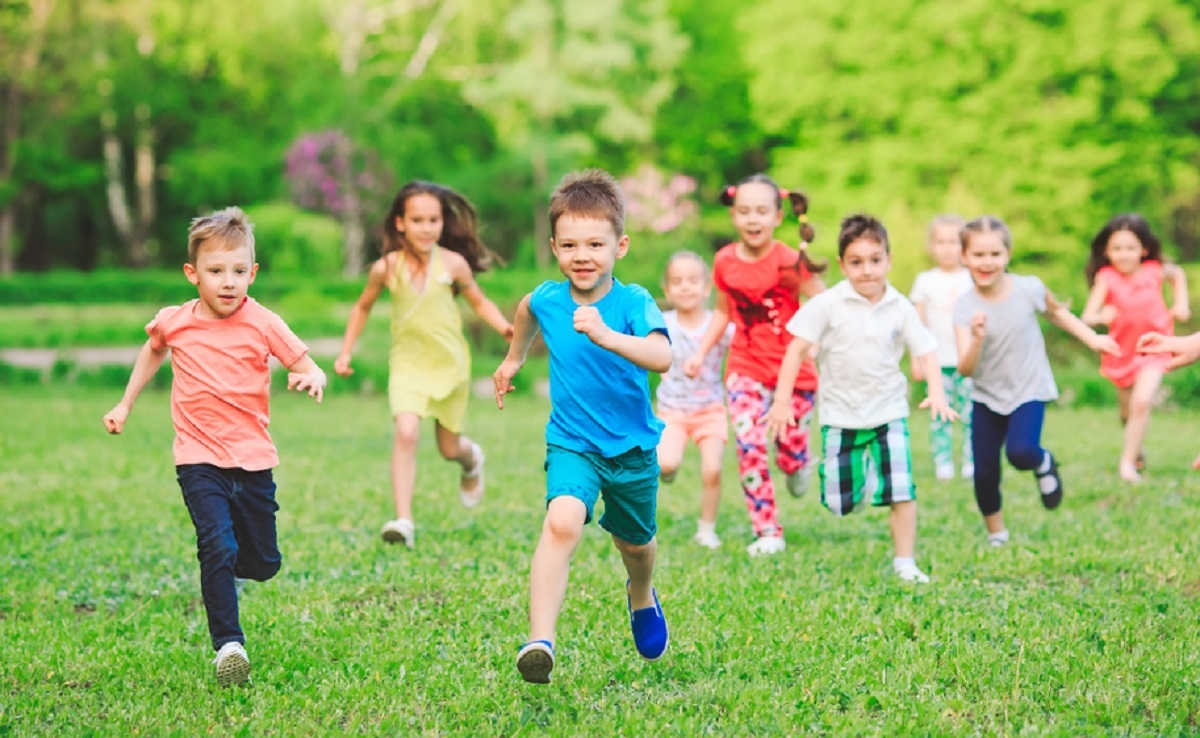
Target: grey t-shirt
{"points": [[1013, 367]]}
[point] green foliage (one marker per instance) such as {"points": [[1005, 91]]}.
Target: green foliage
{"points": [[290, 240]]}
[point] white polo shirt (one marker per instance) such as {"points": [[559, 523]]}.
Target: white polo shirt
{"points": [[861, 385]]}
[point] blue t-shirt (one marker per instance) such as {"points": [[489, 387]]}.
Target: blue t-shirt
{"points": [[600, 402]]}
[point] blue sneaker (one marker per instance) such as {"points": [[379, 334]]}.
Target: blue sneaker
{"points": [[649, 628], [535, 661]]}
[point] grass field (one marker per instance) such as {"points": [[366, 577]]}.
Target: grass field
{"points": [[1087, 624]]}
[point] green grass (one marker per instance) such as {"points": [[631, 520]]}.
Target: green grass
{"points": [[1085, 625]]}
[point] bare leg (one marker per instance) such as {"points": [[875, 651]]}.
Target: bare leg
{"points": [[1136, 411], [561, 531], [903, 520], [639, 564], [994, 522], [404, 463], [458, 448], [670, 452], [712, 451]]}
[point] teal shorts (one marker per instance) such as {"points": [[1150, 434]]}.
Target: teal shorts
{"points": [[628, 483]]}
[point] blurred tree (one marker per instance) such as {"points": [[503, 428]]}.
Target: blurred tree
{"points": [[573, 71]]}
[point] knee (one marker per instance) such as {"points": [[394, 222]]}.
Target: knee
{"points": [[710, 475], [1139, 405], [219, 548], [261, 571], [562, 528], [632, 550], [407, 437], [1025, 456], [667, 469]]}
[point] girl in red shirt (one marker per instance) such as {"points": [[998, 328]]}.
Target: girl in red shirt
{"points": [[759, 282], [1126, 273]]}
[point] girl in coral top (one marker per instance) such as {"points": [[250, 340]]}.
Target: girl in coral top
{"points": [[1126, 273], [759, 282]]}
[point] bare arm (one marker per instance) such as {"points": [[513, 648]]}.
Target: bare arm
{"points": [[970, 343], [779, 415], [935, 398], [918, 369], [148, 361], [1095, 312], [376, 280], [306, 376], [1181, 309], [1060, 315], [652, 352], [812, 286], [487, 311], [1184, 350], [716, 328], [525, 329]]}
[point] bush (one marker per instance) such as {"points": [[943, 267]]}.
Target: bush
{"points": [[294, 241]]}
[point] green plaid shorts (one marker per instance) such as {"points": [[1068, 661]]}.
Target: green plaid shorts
{"points": [[868, 461]]}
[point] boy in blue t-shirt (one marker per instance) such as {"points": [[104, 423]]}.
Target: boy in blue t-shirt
{"points": [[602, 435]]}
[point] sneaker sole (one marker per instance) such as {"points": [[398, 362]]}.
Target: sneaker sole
{"points": [[235, 669], [395, 536], [535, 666]]}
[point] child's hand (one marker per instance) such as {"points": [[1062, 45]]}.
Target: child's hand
{"points": [[979, 325], [939, 408], [502, 379], [114, 420], [313, 382], [1181, 313], [1183, 349], [777, 418], [508, 333], [589, 323], [1104, 345], [341, 365], [692, 366]]}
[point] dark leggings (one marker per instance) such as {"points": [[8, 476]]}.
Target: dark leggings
{"points": [[1020, 432]]}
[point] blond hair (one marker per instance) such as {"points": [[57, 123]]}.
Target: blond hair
{"points": [[987, 224], [592, 193], [228, 229]]}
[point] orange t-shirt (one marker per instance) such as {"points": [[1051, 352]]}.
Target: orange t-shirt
{"points": [[220, 393], [761, 297]]}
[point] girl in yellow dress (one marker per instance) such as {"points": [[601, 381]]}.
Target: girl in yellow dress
{"points": [[431, 254]]}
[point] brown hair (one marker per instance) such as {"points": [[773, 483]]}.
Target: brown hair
{"points": [[799, 202], [862, 226], [986, 224], [229, 229], [592, 193], [460, 225]]}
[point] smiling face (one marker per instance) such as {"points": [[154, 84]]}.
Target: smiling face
{"points": [[586, 250], [686, 285], [756, 215], [1125, 252], [986, 257], [866, 262], [946, 247], [421, 223], [222, 276]]}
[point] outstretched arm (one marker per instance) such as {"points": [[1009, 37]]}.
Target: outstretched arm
{"points": [[779, 415], [306, 376], [935, 398], [1184, 350], [487, 311], [1060, 315], [716, 328], [148, 361], [652, 352], [1180, 308], [1095, 312], [525, 329], [376, 279]]}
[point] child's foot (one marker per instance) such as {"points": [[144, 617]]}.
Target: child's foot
{"points": [[1140, 463], [1129, 473], [470, 497], [908, 571], [944, 472], [707, 538], [797, 482], [998, 539], [535, 661], [1050, 483], [649, 627], [767, 545], [233, 665], [399, 531], [968, 471]]}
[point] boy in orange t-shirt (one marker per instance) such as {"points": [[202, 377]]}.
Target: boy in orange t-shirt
{"points": [[219, 346]]}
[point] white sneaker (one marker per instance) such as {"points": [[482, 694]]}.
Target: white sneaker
{"points": [[797, 482], [233, 665], [910, 573], [767, 546], [399, 531], [471, 498], [708, 539], [944, 472], [968, 471]]}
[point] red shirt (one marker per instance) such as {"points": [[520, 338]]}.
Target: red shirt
{"points": [[761, 297], [1138, 298]]}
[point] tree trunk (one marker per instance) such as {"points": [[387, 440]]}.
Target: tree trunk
{"points": [[541, 217]]}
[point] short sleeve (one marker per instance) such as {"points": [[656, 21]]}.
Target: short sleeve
{"points": [[1035, 289], [920, 290], [811, 320], [537, 299], [281, 341], [156, 328], [643, 313], [919, 339], [962, 310]]}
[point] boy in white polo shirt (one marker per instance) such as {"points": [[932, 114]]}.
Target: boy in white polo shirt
{"points": [[862, 325]]}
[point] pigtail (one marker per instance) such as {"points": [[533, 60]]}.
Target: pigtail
{"points": [[799, 202], [728, 193]]}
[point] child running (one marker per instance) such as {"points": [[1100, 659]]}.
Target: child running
{"points": [[431, 254], [1000, 345], [219, 346], [693, 407], [760, 281], [1126, 274], [603, 338], [933, 293], [862, 325], [1179, 351]]}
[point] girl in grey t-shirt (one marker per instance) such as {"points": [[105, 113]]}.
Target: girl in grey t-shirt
{"points": [[1000, 346]]}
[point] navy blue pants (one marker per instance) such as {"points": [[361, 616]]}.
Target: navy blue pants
{"points": [[1019, 433], [234, 514]]}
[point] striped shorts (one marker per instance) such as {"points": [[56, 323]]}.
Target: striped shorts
{"points": [[868, 461]]}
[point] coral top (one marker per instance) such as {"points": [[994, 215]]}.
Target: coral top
{"points": [[761, 297], [1138, 298]]}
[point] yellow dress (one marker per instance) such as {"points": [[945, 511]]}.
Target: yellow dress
{"points": [[429, 366]]}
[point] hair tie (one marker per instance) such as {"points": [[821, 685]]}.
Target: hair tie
{"points": [[783, 193], [803, 217], [731, 190]]}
